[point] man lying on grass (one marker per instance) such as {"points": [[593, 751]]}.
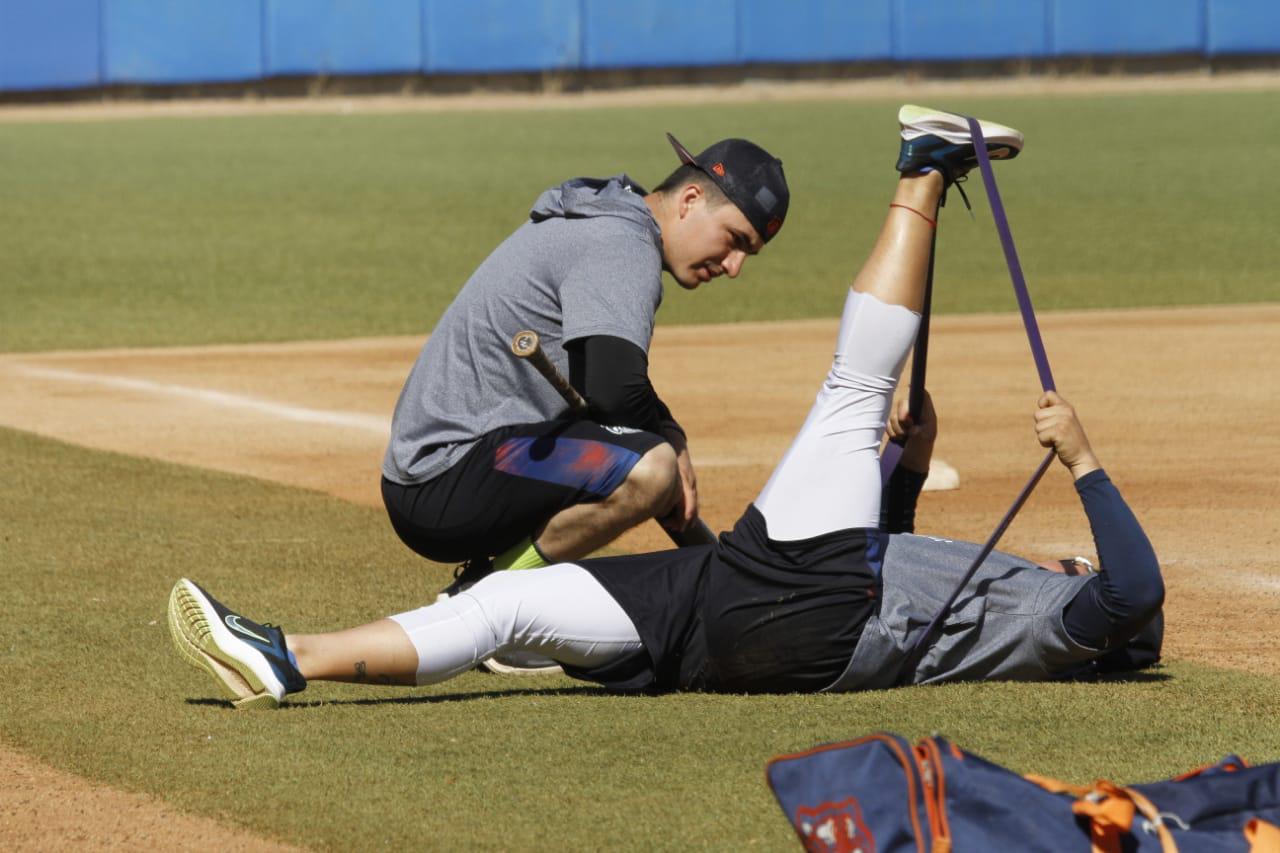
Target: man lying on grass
{"points": [[819, 586]]}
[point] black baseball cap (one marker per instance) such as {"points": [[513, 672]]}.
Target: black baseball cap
{"points": [[751, 178]]}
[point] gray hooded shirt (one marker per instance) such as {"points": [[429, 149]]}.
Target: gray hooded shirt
{"points": [[588, 262]]}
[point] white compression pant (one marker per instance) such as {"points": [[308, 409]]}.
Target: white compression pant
{"points": [[829, 478], [559, 612]]}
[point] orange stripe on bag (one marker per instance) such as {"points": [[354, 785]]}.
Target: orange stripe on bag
{"points": [[1109, 817], [1057, 786], [1110, 809], [944, 828], [1228, 767]]}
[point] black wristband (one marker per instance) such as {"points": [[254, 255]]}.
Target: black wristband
{"points": [[668, 422], [898, 500]]}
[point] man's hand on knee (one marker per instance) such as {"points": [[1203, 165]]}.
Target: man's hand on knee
{"points": [[685, 509]]}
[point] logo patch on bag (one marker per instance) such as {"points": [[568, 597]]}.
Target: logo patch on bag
{"points": [[835, 828]]}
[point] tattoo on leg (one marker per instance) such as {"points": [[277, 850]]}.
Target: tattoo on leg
{"points": [[362, 674]]}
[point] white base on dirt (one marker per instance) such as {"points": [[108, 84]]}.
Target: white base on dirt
{"points": [[942, 477]]}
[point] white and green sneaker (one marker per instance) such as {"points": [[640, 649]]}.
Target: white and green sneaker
{"points": [[939, 140], [250, 661]]}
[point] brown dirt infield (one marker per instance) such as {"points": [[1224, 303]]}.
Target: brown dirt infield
{"points": [[1177, 402], [43, 809]]}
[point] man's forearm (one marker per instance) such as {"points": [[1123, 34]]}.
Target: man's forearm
{"points": [[1129, 590], [612, 374]]}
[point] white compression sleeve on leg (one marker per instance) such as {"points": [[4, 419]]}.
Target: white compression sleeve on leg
{"points": [[829, 478], [559, 612]]}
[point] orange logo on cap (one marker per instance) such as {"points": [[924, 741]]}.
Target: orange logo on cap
{"points": [[773, 226], [718, 168]]}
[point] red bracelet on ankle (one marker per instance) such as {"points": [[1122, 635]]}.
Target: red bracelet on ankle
{"points": [[932, 222]]}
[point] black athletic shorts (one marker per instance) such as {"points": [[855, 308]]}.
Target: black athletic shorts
{"points": [[510, 484], [747, 615]]}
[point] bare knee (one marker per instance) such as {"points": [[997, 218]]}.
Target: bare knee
{"points": [[653, 485]]}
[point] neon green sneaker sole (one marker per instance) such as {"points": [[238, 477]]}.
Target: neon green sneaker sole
{"points": [[194, 638]]}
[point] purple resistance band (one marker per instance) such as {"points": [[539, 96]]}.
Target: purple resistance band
{"points": [[920, 646]]}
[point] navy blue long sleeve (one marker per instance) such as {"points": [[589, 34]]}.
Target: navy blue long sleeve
{"points": [[1128, 592]]}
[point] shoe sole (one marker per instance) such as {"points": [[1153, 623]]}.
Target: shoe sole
{"points": [[921, 121], [202, 642], [499, 668]]}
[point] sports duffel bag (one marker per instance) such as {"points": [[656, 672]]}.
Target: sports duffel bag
{"points": [[879, 793]]}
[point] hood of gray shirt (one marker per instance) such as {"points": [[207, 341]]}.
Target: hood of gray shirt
{"points": [[581, 198]]}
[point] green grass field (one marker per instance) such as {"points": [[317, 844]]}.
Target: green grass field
{"points": [[168, 231], [188, 231], [92, 685]]}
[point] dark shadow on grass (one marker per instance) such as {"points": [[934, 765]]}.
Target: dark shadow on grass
{"points": [[423, 700], [459, 697], [1148, 676], [1145, 676], [1142, 677]]}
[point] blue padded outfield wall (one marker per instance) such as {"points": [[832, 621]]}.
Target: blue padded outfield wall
{"points": [[311, 37], [814, 31], [1137, 26], [461, 37], [71, 44], [977, 29], [639, 33], [51, 44], [1242, 26], [180, 41]]}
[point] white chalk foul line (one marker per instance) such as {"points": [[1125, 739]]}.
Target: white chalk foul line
{"points": [[942, 476], [300, 414]]}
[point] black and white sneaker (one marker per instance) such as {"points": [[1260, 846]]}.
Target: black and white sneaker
{"points": [[249, 660], [466, 575], [936, 139]]}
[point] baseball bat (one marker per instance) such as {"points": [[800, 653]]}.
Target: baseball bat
{"points": [[525, 345]]}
